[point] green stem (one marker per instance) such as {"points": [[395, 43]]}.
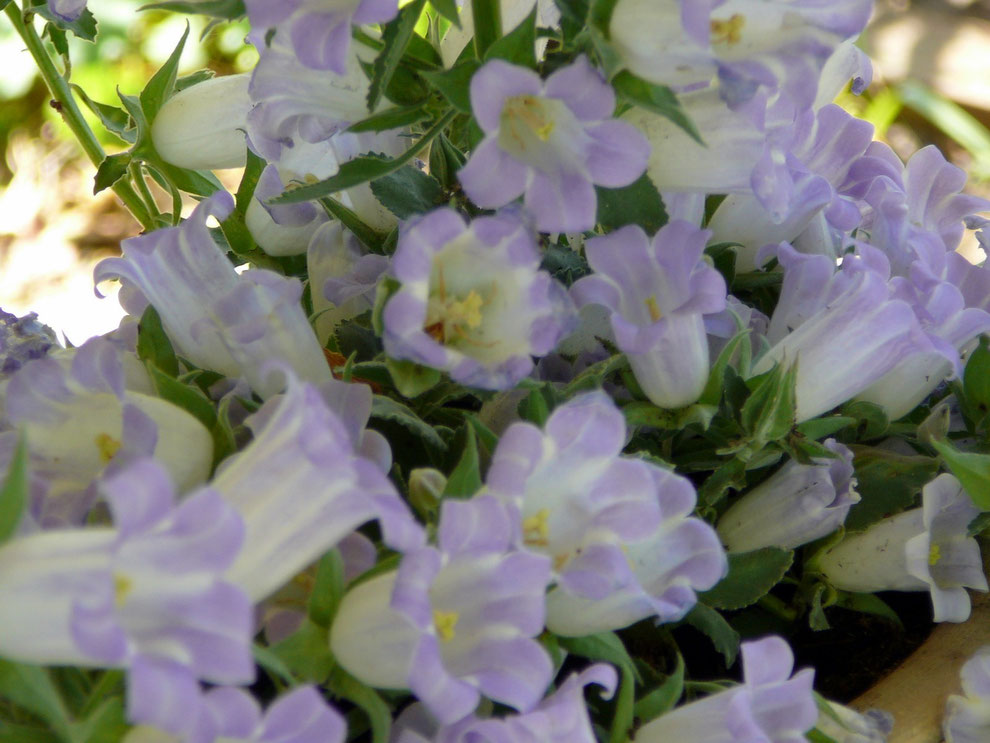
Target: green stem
{"points": [[487, 24], [138, 175], [70, 112]]}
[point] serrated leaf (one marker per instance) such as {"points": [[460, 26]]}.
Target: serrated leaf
{"points": [[395, 38], [391, 118], [225, 9], [564, 264], [408, 192], [971, 469], [361, 170], [14, 493], [638, 203], [84, 26], [751, 576], [887, 483], [411, 379], [115, 120], [519, 45], [385, 408], [455, 84], [664, 697], [658, 99], [713, 625], [369, 237], [162, 84], [111, 170], [465, 479], [379, 714], [153, 344]]}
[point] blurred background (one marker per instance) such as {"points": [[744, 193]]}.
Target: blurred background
{"points": [[931, 86]]}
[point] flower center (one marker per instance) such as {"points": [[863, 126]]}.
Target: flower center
{"points": [[445, 622], [108, 447], [536, 528], [122, 587], [728, 31], [934, 555], [654, 308]]}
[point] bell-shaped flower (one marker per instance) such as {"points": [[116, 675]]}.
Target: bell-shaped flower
{"points": [[79, 419], [67, 10], [221, 320], [319, 30], [147, 594], [301, 486], [295, 103], [923, 549], [229, 714], [659, 293], [473, 299], [577, 500], [202, 127], [851, 342], [553, 141], [453, 622], [796, 505], [843, 724], [967, 716], [770, 705]]}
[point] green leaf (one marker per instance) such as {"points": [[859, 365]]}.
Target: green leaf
{"points": [[361, 170], [573, 16], [519, 45], [106, 724], [972, 470], [379, 714], [111, 170], [407, 192], [445, 161], [888, 483], [818, 428], [605, 646], [465, 480], [30, 687], [625, 702], [410, 378], [328, 589], [601, 14], [116, 120], [976, 382], [487, 16], [272, 663], [162, 84], [193, 78], [455, 84], [196, 182], [14, 493], [751, 576], [638, 203], [84, 26], [185, 396], [596, 374], [564, 264], [665, 696], [534, 407], [713, 625], [656, 98], [768, 413], [395, 38], [867, 603], [223, 9], [387, 409], [449, 10], [369, 237], [871, 419], [391, 118], [712, 394], [306, 653]]}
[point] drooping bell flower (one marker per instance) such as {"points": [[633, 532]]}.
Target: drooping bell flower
{"points": [[455, 621], [770, 705], [67, 10], [553, 141], [659, 292], [796, 505], [967, 716], [473, 299], [922, 549], [147, 595]]}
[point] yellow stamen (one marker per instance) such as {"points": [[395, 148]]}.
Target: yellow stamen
{"points": [[536, 529], [934, 555], [445, 622], [560, 561], [654, 308], [108, 447], [728, 32], [466, 311], [122, 587]]}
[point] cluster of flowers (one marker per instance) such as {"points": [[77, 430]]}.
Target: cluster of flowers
{"points": [[151, 542]]}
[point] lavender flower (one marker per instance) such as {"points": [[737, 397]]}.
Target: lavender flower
{"points": [[967, 717], [473, 300], [658, 293], [301, 486], [455, 622], [147, 595], [845, 725], [79, 419], [798, 504], [230, 323], [67, 10], [553, 140], [923, 549], [21, 340], [319, 30], [770, 705]]}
